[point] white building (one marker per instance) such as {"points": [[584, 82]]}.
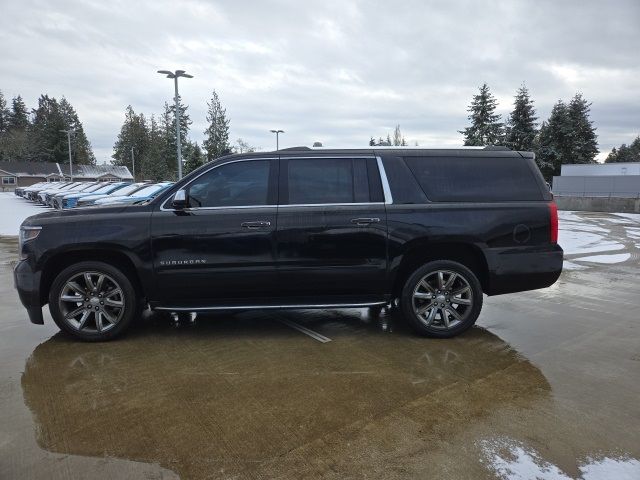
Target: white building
{"points": [[598, 180], [604, 169]]}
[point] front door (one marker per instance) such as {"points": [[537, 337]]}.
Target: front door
{"points": [[332, 229], [221, 248]]}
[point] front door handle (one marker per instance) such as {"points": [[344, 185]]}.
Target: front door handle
{"points": [[364, 221], [256, 224]]}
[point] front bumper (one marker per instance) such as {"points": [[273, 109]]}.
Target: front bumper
{"points": [[27, 282], [523, 268]]}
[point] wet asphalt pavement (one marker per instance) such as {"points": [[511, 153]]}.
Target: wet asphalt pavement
{"points": [[554, 373]]}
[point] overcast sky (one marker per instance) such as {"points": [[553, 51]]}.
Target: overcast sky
{"points": [[336, 72]]}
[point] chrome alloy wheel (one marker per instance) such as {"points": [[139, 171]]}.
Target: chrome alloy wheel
{"points": [[91, 302], [442, 299]]}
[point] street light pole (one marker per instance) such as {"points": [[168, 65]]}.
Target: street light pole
{"points": [[277, 132], [133, 164], [175, 75], [69, 132]]}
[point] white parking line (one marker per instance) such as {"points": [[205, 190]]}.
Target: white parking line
{"points": [[305, 330]]}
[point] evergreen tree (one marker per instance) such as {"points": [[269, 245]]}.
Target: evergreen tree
{"points": [[397, 136], [216, 142], [486, 128], [4, 115], [193, 157], [48, 143], [14, 143], [553, 146], [521, 126], [567, 137], [584, 141], [19, 116], [372, 142], [80, 147], [168, 128], [625, 153], [153, 164], [133, 133]]}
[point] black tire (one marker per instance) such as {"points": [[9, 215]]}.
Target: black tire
{"points": [[435, 326], [114, 280]]}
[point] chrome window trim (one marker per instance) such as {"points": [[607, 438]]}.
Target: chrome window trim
{"points": [[388, 199], [383, 178], [280, 206], [252, 159], [330, 204]]}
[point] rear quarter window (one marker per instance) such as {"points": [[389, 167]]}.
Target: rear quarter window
{"points": [[475, 179]]}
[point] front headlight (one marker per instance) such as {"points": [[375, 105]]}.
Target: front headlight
{"points": [[26, 235]]}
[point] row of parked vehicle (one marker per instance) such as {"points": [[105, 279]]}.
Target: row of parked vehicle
{"points": [[63, 195]]}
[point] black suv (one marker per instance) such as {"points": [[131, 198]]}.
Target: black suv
{"points": [[428, 231]]}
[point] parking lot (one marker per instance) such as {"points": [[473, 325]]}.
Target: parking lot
{"points": [[547, 385]]}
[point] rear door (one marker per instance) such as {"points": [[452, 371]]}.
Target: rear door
{"points": [[332, 232]]}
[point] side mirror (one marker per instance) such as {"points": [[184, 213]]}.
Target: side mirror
{"points": [[179, 200]]}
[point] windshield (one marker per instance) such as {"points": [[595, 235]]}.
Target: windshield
{"points": [[128, 189], [94, 188], [80, 187], [150, 190], [105, 188]]}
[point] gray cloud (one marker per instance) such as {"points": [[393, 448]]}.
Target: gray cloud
{"points": [[333, 71]]}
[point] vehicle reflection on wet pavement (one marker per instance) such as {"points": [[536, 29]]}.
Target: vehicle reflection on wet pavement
{"points": [[548, 377]]}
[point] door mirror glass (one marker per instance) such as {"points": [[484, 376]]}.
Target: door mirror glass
{"points": [[179, 200]]}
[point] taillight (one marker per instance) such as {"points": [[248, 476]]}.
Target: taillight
{"points": [[553, 213]]}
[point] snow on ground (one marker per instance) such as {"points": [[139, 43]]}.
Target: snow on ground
{"points": [[13, 211], [575, 241], [635, 217], [615, 258], [583, 234], [569, 265], [512, 460]]}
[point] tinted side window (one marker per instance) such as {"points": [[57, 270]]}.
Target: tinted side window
{"points": [[475, 179], [322, 180], [403, 185], [232, 185]]}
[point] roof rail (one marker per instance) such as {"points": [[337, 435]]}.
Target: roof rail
{"points": [[497, 148], [294, 149]]}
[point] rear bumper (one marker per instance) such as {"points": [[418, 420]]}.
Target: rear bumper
{"points": [[523, 268], [27, 282]]}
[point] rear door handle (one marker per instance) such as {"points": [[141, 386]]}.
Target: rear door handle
{"points": [[256, 224], [364, 221]]}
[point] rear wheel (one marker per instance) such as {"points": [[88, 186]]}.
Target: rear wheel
{"points": [[442, 299], [93, 301]]}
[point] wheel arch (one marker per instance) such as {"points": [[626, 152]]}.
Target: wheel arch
{"points": [[61, 260], [419, 252]]}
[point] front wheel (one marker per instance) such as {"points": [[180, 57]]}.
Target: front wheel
{"points": [[442, 299], [93, 301]]}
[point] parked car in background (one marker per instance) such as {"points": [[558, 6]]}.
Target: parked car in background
{"points": [[55, 200], [58, 199], [31, 193], [128, 189], [145, 193], [426, 231], [20, 191], [71, 200], [43, 195], [47, 197]]}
